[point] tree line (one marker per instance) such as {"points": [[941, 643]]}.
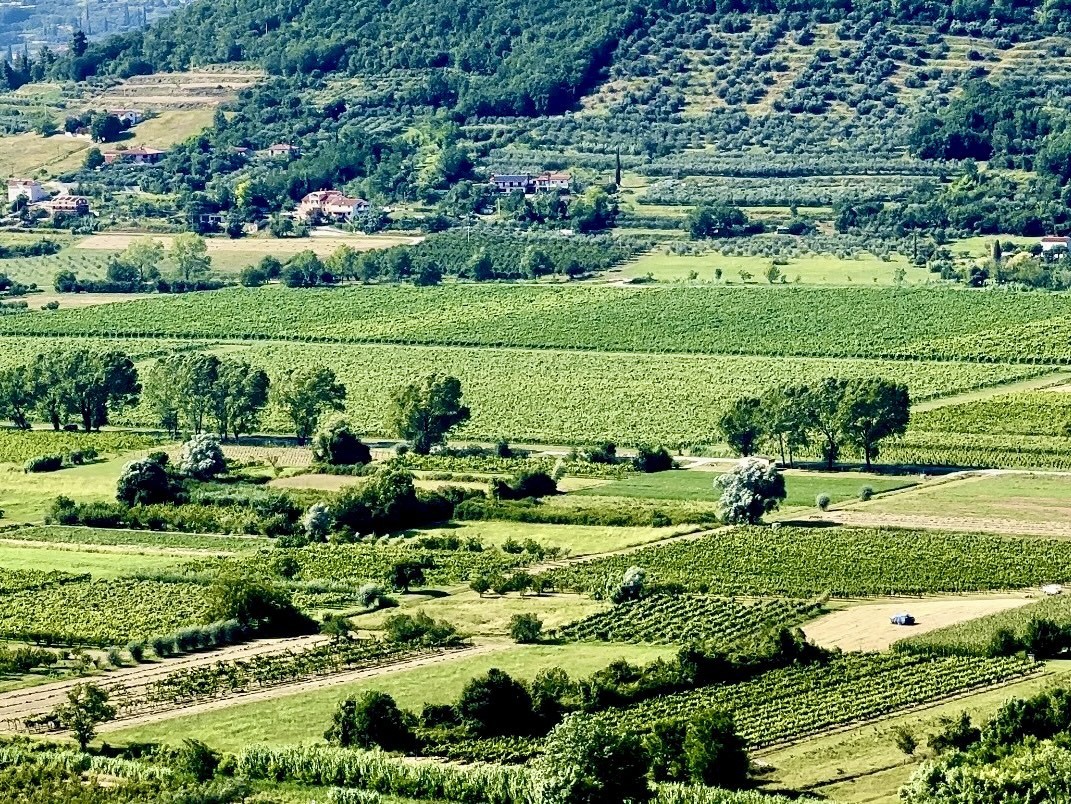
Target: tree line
{"points": [[831, 414]]}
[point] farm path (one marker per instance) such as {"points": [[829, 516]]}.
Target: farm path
{"points": [[285, 690], [1032, 384], [31, 701]]}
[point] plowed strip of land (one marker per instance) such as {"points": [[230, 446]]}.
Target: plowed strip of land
{"points": [[1003, 527]]}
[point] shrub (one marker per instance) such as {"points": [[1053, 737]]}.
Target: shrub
{"points": [[525, 629], [631, 587], [372, 720], [136, 651], [495, 705], [865, 493], [144, 482], [905, 739], [44, 463], [822, 501], [114, 658], [317, 522], [419, 629], [525, 485], [652, 459], [338, 444]]}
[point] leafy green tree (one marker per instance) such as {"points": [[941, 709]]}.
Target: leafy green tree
{"points": [[196, 760], [255, 602], [525, 628], [239, 397], [304, 270], [190, 253], [716, 220], [145, 256], [785, 419], [495, 705], [343, 262], [105, 128], [480, 267], [99, 383], [202, 457], [751, 490], [79, 43], [824, 405], [86, 707], [52, 391], [742, 425], [144, 482], [305, 394], [585, 761], [715, 754], [536, 263], [94, 159], [874, 409], [424, 412], [371, 720], [665, 747], [17, 395], [338, 444]]}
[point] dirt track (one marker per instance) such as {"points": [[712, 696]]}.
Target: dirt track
{"points": [[39, 700], [284, 690], [1003, 527]]}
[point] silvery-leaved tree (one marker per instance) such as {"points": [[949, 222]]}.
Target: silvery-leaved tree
{"points": [[752, 489]]}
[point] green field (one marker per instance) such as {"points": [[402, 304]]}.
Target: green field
{"points": [[814, 269], [1033, 498], [842, 322], [26, 498], [802, 487], [303, 718], [577, 540], [100, 564]]}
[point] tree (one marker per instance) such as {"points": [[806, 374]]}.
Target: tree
{"points": [[480, 267], [785, 419], [824, 406], [305, 394], [495, 705], [536, 263], [423, 413], [51, 383], [105, 128], [144, 482], [98, 383], [255, 602], [338, 444], [716, 220], [16, 395], [632, 586], [317, 522], [86, 707], [238, 397], [715, 754], [343, 262], [405, 574], [752, 489], [525, 629], [305, 270], [145, 257], [94, 159], [874, 409], [202, 457], [742, 425], [584, 761], [190, 253], [371, 720], [79, 44]]}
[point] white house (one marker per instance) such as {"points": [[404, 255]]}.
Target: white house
{"points": [[331, 205], [129, 116], [27, 187], [1052, 243]]}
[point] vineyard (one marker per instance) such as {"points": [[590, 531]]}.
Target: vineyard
{"points": [[100, 613], [844, 562], [791, 703], [550, 396], [1036, 413], [113, 537], [770, 191], [975, 637], [687, 619], [14, 580], [18, 446], [926, 323]]}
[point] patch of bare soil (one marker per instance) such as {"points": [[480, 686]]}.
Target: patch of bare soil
{"points": [[867, 627]]}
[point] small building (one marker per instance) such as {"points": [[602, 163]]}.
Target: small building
{"points": [[330, 205], [283, 150], [69, 205], [1054, 243], [510, 182], [131, 117], [138, 155], [29, 188], [552, 182]]}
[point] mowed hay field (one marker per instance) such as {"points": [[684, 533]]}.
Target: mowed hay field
{"points": [[868, 627]]}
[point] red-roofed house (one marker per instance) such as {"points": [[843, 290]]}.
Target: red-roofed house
{"points": [[1052, 242], [552, 181], [283, 150], [138, 155], [69, 205]]}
